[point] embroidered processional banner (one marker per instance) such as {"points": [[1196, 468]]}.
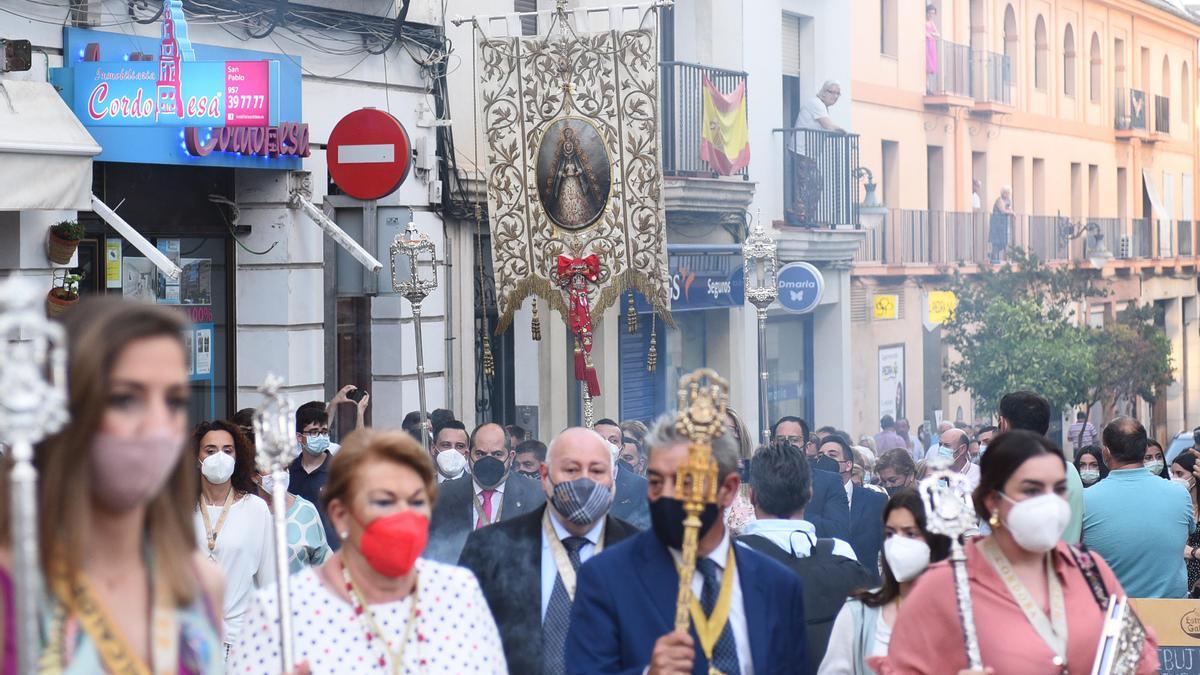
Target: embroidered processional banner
{"points": [[574, 174]]}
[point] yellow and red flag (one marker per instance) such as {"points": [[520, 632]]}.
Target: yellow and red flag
{"points": [[725, 133]]}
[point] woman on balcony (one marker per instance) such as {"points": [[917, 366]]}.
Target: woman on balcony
{"points": [[932, 36], [1002, 216]]}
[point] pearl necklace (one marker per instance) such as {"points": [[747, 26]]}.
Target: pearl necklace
{"points": [[362, 611]]}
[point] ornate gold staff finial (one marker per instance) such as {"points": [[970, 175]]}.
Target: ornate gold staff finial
{"points": [[703, 399]]}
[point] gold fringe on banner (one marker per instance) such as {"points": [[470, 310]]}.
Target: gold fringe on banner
{"points": [[535, 326], [631, 316]]}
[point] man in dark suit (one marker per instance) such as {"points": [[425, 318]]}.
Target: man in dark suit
{"points": [[866, 507], [624, 612], [829, 509], [490, 493], [518, 566], [630, 503]]}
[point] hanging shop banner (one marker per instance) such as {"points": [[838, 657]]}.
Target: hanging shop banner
{"points": [[574, 178], [891, 381], [939, 308], [167, 101]]}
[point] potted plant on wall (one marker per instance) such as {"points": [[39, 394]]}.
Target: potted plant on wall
{"points": [[63, 240], [63, 294]]}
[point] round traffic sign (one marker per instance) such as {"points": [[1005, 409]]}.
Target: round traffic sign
{"points": [[369, 154], [800, 287]]}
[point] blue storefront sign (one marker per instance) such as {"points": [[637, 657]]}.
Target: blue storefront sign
{"points": [[800, 287], [702, 278], [145, 102]]}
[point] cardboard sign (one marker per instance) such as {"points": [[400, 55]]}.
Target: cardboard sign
{"points": [[1176, 624]]}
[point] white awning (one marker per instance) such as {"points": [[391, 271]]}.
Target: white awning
{"points": [[1161, 212], [45, 152]]}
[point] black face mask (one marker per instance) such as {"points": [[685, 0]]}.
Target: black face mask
{"points": [[531, 474], [631, 468], [666, 518], [489, 472]]}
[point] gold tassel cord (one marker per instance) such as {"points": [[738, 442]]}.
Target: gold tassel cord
{"points": [[631, 316], [535, 326], [652, 354], [489, 365]]}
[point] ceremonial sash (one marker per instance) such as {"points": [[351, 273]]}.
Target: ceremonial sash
{"points": [[709, 627], [561, 559], [1052, 631]]}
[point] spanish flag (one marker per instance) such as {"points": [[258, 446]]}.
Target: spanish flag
{"points": [[725, 134]]}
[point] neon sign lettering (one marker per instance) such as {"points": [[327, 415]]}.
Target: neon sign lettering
{"points": [[287, 139]]}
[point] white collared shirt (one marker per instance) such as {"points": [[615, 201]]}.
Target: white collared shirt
{"points": [[549, 569], [782, 533], [497, 502], [737, 607], [849, 486]]}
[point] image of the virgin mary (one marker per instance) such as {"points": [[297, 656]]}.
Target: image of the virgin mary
{"points": [[575, 199]]}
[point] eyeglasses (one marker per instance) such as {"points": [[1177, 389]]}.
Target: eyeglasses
{"points": [[793, 440], [319, 432]]}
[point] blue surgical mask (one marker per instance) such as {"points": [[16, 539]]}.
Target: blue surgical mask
{"points": [[945, 453], [316, 444]]}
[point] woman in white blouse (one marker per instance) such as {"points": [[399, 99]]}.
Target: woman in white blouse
{"points": [[233, 526], [374, 606], [864, 626]]}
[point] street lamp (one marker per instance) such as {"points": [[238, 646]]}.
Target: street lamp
{"points": [[759, 265], [408, 279], [1097, 253]]}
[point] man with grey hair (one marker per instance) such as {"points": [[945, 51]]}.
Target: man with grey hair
{"points": [[623, 616], [814, 113], [527, 566]]}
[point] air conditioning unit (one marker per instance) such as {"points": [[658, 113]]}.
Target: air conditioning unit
{"points": [[1125, 250]]}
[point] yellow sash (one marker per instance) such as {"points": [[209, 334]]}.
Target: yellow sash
{"points": [[709, 628], [561, 559]]}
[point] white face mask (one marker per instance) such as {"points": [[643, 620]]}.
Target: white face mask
{"points": [[451, 463], [906, 557], [268, 483], [1155, 467], [1089, 476], [218, 468], [1037, 523], [1187, 483]]}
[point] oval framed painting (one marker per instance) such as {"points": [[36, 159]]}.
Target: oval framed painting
{"points": [[574, 175]]}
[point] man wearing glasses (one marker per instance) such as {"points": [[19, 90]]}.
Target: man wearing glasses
{"points": [[489, 493], [829, 509], [309, 472]]}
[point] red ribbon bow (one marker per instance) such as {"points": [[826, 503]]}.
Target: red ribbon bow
{"points": [[579, 313], [588, 266]]}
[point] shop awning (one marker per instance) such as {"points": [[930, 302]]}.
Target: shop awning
{"points": [[1161, 210], [45, 152]]}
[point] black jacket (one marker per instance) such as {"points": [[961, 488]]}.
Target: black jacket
{"points": [[454, 512], [630, 503], [507, 560], [829, 510]]}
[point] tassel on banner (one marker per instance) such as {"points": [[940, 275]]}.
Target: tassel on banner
{"points": [[631, 316], [489, 365], [592, 379], [580, 362], [652, 353], [535, 326]]}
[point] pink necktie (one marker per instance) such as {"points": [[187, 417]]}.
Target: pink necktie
{"points": [[487, 507]]}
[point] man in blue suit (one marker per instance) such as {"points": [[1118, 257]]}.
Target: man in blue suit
{"points": [[829, 509], [866, 507], [623, 617]]}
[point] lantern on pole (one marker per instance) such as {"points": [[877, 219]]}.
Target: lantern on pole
{"points": [[414, 276], [760, 266]]}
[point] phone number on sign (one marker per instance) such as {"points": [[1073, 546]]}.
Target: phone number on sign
{"points": [[236, 102]]}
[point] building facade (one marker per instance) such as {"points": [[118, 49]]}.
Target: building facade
{"points": [[1085, 110], [267, 289]]}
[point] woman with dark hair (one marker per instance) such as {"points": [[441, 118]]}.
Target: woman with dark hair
{"points": [[1153, 459], [233, 526], [115, 498], [1089, 461], [864, 626], [1040, 603], [1182, 472]]}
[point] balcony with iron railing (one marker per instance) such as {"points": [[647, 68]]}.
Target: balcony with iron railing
{"points": [[991, 82], [819, 184], [948, 75], [1130, 113], [947, 239]]}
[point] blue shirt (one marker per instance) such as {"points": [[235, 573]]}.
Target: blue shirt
{"points": [[1139, 523]]}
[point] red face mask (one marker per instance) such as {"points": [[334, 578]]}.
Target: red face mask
{"points": [[392, 544]]}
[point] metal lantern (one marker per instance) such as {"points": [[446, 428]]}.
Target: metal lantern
{"points": [[414, 275], [760, 269], [33, 404]]}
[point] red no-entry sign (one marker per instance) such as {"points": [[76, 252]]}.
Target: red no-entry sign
{"points": [[369, 154]]}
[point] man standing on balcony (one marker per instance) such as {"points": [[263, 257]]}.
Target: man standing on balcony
{"points": [[976, 199], [806, 167]]}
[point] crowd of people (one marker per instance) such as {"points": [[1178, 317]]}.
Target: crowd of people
{"points": [[494, 552]]}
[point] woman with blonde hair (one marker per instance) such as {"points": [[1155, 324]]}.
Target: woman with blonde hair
{"points": [[741, 511], [126, 589], [374, 606]]}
